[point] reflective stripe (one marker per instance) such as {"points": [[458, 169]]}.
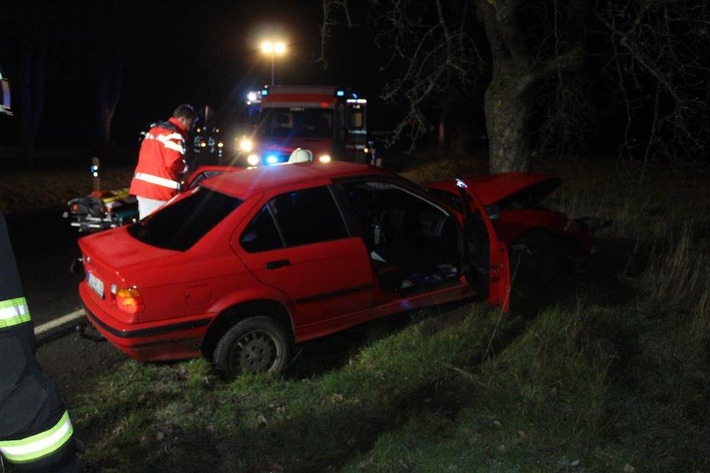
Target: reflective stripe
{"points": [[160, 181], [173, 141], [14, 312], [170, 142], [35, 447]]}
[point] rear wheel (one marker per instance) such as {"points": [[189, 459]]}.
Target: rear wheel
{"points": [[258, 344]]}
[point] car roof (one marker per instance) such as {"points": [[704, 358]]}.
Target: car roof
{"points": [[254, 180]]}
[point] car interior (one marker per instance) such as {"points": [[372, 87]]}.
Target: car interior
{"points": [[412, 242]]}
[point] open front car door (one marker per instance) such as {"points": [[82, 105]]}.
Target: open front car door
{"points": [[485, 255]]}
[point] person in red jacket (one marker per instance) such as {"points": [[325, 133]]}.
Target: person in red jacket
{"points": [[161, 161]]}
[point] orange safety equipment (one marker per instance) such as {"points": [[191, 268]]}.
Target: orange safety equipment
{"points": [[161, 161]]}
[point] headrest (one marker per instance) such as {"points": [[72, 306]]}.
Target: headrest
{"points": [[300, 155]]}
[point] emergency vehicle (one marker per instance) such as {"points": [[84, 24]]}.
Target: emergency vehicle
{"points": [[328, 120]]}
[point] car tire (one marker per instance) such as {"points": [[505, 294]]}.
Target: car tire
{"points": [[534, 255], [533, 259], [258, 344]]}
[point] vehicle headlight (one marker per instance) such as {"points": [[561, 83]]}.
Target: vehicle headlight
{"points": [[324, 158], [253, 159], [246, 145]]}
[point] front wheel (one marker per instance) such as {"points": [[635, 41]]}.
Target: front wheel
{"points": [[533, 260], [254, 345], [533, 256]]}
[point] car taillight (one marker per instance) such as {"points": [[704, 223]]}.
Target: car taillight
{"points": [[128, 300]]}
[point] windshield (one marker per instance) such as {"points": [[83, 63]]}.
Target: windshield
{"points": [[184, 222], [301, 122]]}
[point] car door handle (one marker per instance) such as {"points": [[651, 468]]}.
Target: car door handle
{"points": [[277, 264]]}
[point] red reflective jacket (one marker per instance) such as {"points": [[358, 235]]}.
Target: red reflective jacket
{"points": [[161, 161]]}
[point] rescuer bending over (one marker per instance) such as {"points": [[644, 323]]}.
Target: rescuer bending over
{"points": [[161, 161]]}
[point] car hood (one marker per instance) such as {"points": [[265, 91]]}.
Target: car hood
{"points": [[495, 188]]}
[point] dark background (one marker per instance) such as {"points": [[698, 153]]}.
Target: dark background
{"points": [[642, 102], [206, 55]]}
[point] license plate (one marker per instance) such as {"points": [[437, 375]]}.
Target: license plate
{"points": [[96, 284]]}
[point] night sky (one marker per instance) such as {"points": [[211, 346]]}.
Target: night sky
{"points": [[206, 54]]}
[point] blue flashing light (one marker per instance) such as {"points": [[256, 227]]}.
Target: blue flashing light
{"points": [[340, 93], [271, 159], [264, 92]]}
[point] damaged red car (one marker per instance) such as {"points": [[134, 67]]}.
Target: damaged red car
{"points": [[247, 264], [540, 240]]}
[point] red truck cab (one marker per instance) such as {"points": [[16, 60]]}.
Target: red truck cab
{"points": [[328, 120]]}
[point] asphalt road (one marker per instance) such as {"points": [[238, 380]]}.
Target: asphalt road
{"points": [[45, 245]]}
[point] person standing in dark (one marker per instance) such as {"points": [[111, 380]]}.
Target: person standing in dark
{"points": [[36, 434], [161, 160]]}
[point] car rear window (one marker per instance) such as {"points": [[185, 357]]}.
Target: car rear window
{"points": [[183, 223]]}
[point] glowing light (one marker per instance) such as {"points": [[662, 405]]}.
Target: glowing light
{"points": [[273, 49], [246, 145]]}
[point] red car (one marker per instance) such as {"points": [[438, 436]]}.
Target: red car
{"points": [[538, 238], [248, 263]]}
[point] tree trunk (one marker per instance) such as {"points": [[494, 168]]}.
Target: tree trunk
{"points": [[508, 106], [508, 102], [107, 97], [110, 61]]}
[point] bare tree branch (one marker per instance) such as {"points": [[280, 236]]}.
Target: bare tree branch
{"points": [[661, 48]]}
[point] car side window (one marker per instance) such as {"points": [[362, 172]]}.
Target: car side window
{"points": [[261, 234], [295, 218], [308, 216]]}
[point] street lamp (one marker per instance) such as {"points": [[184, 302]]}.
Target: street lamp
{"points": [[273, 48]]}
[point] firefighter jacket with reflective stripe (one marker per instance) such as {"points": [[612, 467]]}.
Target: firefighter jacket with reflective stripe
{"points": [[35, 430], [13, 312], [161, 161]]}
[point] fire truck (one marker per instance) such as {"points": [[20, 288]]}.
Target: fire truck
{"points": [[329, 121]]}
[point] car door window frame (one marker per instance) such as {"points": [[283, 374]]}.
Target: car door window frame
{"points": [[302, 228], [379, 217]]}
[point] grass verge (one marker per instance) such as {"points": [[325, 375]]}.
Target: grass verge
{"points": [[610, 374]]}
